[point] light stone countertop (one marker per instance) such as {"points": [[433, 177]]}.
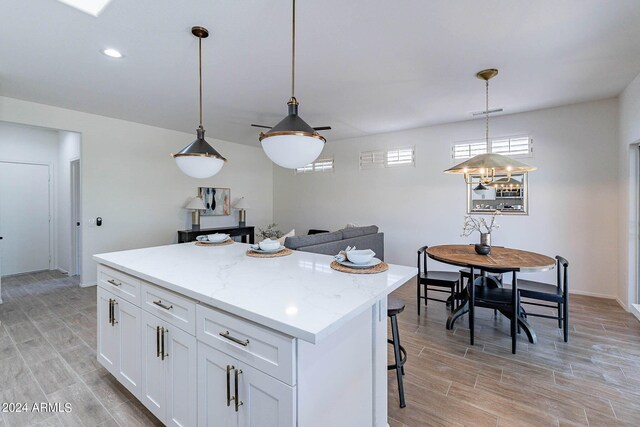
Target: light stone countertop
{"points": [[299, 295]]}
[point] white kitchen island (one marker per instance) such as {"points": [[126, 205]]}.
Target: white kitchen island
{"points": [[211, 337]]}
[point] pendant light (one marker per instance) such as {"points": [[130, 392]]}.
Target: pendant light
{"points": [[199, 159], [292, 143], [485, 166]]}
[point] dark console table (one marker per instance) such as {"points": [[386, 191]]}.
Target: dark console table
{"points": [[185, 236]]}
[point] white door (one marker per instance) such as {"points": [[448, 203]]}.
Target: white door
{"points": [[154, 385], [215, 388], [24, 217], [130, 368], [107, 333], [181, 363], [76, 230], [266, 402]]}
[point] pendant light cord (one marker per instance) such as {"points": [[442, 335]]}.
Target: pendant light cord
{"points": [[200, 74], [487, 112], [293, 51]]}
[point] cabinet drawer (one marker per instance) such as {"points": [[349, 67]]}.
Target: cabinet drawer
{"points": [[119, 284], [269, 351], [171, 307]]}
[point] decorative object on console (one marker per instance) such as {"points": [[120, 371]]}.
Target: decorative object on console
{"points": [[217, 201], [195, 205], [199, 159], [242, 207], [292, 143], [483, 227], [271, 232], [485, 166]]}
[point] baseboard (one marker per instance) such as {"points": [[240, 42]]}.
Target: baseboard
{"points": [[635, 309], [62, 271], [622, 304], [592, 294], [87, 285]]}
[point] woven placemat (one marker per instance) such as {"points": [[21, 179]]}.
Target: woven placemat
{"points": [[284, 252], [225, 243], [383, 266]]}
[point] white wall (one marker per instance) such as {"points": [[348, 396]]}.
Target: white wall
{"points": [[573, 197], [33, 145], [129, 179], [68, 150], [629, 138]]}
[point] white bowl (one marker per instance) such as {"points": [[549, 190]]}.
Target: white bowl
{"points": [[217, 238], [269, 245], [360, 256]]}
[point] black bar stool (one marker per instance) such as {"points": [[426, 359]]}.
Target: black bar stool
{"points": [[395, 306]]}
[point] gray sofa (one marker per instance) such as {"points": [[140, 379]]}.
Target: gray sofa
{"points": [[331, 243]]}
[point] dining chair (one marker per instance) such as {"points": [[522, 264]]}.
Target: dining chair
{"points": [[557, 294], [436, 281], [486, 292]]}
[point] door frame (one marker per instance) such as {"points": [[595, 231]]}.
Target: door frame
{"points": [[52, 211], [76, 204]]}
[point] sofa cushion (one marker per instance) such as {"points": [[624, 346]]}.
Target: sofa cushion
{"points": [[296, 242], [351, 232]]}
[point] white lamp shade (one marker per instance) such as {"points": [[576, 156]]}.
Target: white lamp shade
{"points": [[199, 166], [195, 204], [292, 151], [241, 204]]}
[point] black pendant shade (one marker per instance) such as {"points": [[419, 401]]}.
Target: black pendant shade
{"points": [[200, 147], [292, 124]]}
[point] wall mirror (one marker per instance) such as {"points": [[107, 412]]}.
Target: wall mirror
{"points": [[509, 195]]}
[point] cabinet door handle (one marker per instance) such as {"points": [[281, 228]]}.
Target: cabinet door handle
{"points": [[237, 401], [228, 336], [229, 398], [113, 313], [157, 341], [162, 353], [166, 307], [110, 311], [114, 283]]}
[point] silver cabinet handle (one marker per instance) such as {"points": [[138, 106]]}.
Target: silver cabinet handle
{"points": [[166, 307], [114, 283], [162, 353], [113, 312], [235, 340], [157, 341], [229, 398], [237, 401]]}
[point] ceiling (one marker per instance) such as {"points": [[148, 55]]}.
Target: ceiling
{"points": [[363, 67]]}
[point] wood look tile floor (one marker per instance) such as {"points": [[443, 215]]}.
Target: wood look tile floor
{"points": [[593, 380], [48, 340]]}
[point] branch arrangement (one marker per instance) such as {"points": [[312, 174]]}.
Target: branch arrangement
{"points": [[480, 225]]}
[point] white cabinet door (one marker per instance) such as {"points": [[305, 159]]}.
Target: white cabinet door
{"points": [[153, 383], [266, 401], [130, 368], [108, 352], [181, 375], [215, 388]]}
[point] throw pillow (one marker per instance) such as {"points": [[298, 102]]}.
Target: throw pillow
{"points": [[289, 234]]}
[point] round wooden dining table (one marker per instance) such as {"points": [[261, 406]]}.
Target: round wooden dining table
{"points": [[499, 258]]}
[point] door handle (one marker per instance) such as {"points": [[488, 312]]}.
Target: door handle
{"points": [[160, 304], [228, 336], [229, 398], [157, 341], [113, 312], [162, 353], [237, 401]]}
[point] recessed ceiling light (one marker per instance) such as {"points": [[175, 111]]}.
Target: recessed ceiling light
{"points": [[112, 53], [92, 7]]}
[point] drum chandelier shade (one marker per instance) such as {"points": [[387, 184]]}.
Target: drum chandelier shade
{"points": [[487, 165], [199, 159], [292, 143]]}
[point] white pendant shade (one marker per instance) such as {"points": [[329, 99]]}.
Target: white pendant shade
{"points": [[199, 166], [292, 151]]}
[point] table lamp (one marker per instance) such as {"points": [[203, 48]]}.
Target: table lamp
{"points": [[242, 206], [196, 205]]}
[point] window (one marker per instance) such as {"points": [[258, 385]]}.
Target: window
{"points": [[386, 159], [520, 146], [320, 165]]}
